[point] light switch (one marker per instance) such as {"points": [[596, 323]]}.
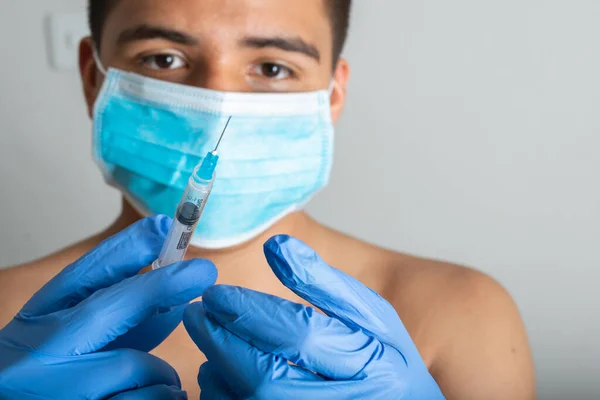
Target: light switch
{"points": [[66, 31]]}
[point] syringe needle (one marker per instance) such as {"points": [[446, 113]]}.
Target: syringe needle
{"points": [[222, 134]]}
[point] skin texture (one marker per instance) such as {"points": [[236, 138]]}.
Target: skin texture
{"points": [[465, 325]]}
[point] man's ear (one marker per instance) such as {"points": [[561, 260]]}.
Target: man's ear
{"points": [[91, 79], [338, 96]]}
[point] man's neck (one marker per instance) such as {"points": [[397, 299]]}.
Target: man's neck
{"points": [[244, 264]]}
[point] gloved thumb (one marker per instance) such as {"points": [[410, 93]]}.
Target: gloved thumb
{"points": [[338, 295]]}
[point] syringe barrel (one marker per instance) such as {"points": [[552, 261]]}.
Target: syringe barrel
{"points": [[185, 222]]}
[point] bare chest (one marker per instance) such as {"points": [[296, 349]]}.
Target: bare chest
{"points": [[182, 354]]}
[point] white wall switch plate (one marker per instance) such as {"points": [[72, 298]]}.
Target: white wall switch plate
{"points": [[66, 29]]}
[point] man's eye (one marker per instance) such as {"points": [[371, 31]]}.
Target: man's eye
{"points": [[164, 62], [274, 71]]}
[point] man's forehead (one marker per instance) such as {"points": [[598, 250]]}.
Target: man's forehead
{"points": [[225, 19]]}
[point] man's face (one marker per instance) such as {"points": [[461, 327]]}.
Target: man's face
{"points": [[228, 45]]}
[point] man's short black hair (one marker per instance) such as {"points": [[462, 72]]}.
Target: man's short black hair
{"points": [[338, 10]]}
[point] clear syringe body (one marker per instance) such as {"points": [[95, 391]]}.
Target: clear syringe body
{"points": [[188, 214]]}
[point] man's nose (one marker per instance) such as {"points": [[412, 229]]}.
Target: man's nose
{"points": [[219, 76]]}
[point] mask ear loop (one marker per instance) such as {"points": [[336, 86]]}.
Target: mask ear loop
{"points": [[99, 65], [331, 86]]}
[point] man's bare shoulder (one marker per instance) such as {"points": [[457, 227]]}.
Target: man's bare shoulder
{"points": [[20, 282], [464, 323], [466, 326]]}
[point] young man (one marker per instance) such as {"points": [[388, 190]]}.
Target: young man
{"points": [[465, 326]]}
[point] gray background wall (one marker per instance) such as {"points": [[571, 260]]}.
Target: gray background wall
{"points": [[475, 122]]}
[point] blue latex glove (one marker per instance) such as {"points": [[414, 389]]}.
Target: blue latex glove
{"points": [[360, 350], [85, 333]]}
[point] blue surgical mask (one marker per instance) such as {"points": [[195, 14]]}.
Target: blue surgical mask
{"points": [[276, 155]]}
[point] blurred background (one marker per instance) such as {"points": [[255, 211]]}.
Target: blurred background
{"points": [[471, 126]]}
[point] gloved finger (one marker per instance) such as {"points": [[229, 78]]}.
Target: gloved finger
{"points": [[150, 333], [300, 269], [212, 386], [110, 312], [297, 333], [157, 392], [99, 375], [292, 385], [245, 368], [118, 257], [235, 359]]}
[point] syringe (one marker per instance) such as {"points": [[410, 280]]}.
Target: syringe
{"points": [[190, 209]]}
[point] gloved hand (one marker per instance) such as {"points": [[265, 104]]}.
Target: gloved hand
{"points": [[360, 350], [62, 345]]}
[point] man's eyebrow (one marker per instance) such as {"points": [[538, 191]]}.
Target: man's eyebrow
{"points": [[294, 44], [145, 32]]}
